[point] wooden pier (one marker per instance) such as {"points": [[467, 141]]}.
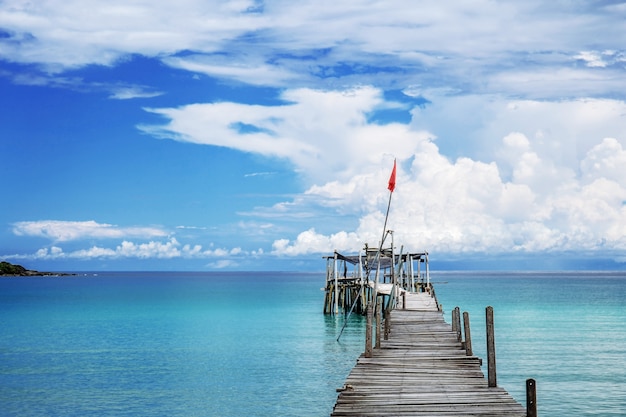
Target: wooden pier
{"points": [[422, 368]]}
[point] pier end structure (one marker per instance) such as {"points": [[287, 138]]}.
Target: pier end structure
{"points": [[354, 281]]}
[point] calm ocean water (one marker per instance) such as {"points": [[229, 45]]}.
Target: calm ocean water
{"points": [[257, 344]]}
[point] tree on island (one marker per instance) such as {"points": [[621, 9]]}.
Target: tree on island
{"points": [[8, 269]]}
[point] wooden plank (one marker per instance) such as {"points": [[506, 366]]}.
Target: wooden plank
{"points": [[421, 370]]}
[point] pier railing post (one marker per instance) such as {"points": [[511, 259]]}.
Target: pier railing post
{"points": [[378, 320], [468, 335], [531, 398], [491, 349], [453, 320], [368, 331], [387, 325], [456, 323], [336, 286]]}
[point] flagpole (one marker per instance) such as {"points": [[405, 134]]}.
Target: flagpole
{"points": [[386, 217], [390, 187]]}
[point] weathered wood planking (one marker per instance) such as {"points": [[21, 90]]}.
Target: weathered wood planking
{"points": [[422, 370]]}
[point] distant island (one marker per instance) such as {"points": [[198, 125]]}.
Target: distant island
{"points": [[9, 270]]}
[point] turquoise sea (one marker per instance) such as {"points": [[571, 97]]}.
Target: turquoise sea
{"points": [[257, 344]]}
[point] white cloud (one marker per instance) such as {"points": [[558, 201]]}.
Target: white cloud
{"points": [[601, 59], [247, 71], [62, 231], [312, 242], [279, 43], [114, 90], [91, 253], [67, 34], [182, 227], [560, 185], [592, 59], [562, 131], [131, 250], [222, 264], [544, 171], [152, 249], [606, 160], [551, 176], [326, 134], [127, 93]]}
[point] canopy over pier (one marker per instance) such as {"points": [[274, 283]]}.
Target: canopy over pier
{"points": [[354, 281]]}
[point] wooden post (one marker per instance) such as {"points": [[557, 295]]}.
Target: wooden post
{"points": [[419, 275], [326, 296], [491, 349], [456, 326], [336, 286], [427, 270], [387, 325], [412, 287], [378, 319], [531, 398], [468, 335], [454, 320], [363, 302], [368, 331]]}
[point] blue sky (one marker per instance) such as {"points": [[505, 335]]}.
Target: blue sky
{"points": [[201, 135]]}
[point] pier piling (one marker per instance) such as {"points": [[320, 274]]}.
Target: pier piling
{"points": [[468, 335], [531, 398], [456, 323], [368, 331], [491, 348], [378, 322]]}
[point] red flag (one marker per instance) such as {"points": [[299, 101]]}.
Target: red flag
{"points": [[392, 179]]}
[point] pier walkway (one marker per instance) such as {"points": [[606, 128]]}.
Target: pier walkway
{"points": [[422, 369]]}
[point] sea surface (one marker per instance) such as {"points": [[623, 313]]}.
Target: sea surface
{"points": [[257, 344]]}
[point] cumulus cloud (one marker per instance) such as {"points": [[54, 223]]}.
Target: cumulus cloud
{"points": [[556, 185], [127, 249], [464, 206], [312, 242], [605, 160], [562, 131], [62, 231]]}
